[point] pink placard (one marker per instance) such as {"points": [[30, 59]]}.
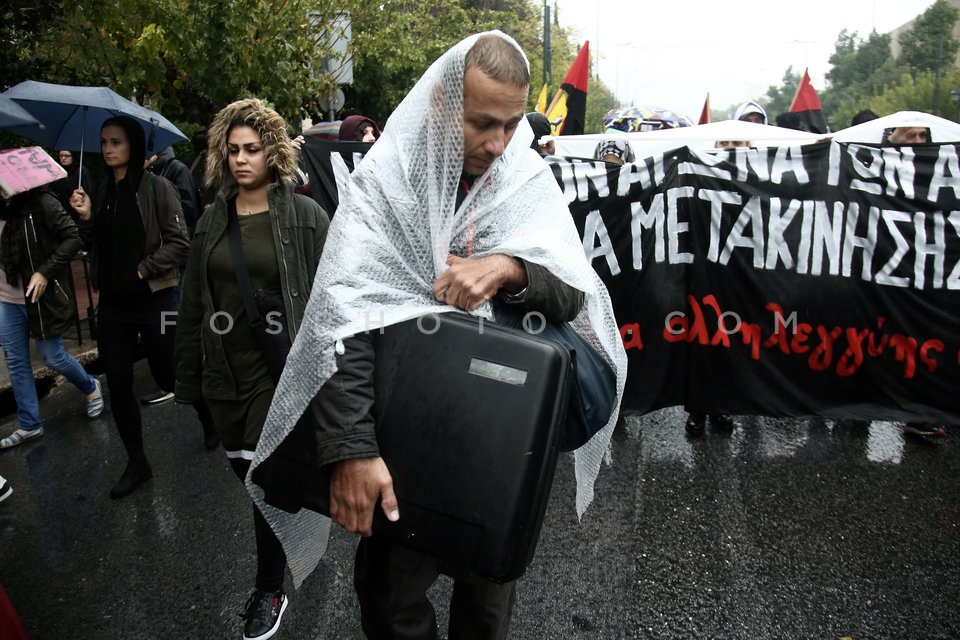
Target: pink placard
{"points": [[25, 168]]}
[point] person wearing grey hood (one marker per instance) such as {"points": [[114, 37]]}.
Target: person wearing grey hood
{"points": [[751, 111], [166, 164]]}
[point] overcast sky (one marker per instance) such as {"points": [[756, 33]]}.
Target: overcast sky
{"points": [[670, 54]]}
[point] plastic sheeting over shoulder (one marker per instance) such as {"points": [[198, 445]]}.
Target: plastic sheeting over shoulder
{"points": [[396, 223]]}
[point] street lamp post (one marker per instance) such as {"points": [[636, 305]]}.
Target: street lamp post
{"points": [[955, 96]]}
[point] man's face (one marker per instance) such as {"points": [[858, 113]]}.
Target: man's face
{"points": [[753, 117], [731, 144], [491, 112], [909, 135]]}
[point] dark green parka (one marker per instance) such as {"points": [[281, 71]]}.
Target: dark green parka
{"points": [[299, 230]]}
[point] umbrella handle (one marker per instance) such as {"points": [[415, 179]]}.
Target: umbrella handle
{"points": [[83, 132], [154, 126]]}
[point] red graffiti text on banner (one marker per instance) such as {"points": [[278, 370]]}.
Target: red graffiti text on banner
{"points": [[842, 349]]}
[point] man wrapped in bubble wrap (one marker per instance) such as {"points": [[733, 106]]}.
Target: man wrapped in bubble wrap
{"points": [[449, 208]]}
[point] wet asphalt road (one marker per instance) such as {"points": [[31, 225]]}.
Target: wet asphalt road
{"points": [[781, 529]]}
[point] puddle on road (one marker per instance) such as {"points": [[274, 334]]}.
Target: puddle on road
{"points": [[664, 439], [885, 442]]}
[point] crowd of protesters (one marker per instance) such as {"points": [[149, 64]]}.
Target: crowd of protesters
{"points": [[247, 242]]}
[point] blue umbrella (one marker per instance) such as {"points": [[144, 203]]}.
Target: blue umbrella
{"points": [[13, 115], [70, 117]]}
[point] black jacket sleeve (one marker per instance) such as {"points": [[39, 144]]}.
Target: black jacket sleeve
{"points": [[179, 174], [188, 350], [342, 409], [548, 294], [62, 227]]}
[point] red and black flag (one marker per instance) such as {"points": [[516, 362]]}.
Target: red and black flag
{"points": [[806, 107], [705, 112], [568, 110]]}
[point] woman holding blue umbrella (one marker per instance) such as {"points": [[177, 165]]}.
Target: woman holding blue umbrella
{"points": [[136, 236]]}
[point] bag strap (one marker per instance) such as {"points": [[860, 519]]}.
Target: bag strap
{"points": [[240, 268]]}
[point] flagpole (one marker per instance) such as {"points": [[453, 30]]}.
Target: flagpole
{"points": [[547, 49]]}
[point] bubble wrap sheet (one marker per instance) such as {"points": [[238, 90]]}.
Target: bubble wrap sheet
{"points": [[388, 243]]}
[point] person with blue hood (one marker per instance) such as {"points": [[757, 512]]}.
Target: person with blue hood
{"points": [[136, 238], [751, 111]]}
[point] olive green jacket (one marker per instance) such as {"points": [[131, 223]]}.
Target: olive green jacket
{"points": [[299, 231]]}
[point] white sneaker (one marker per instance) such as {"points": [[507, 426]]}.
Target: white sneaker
{"points": [[5, 489]]}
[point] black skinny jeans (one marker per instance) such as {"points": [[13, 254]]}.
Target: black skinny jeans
{"points": [[271, 559], [120, 326]]}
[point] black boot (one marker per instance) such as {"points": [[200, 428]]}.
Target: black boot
{"points": [[695, 424], [137, 472]]}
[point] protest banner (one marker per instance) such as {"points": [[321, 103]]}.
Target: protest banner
{"points": [[821, 279], [25, 168]]}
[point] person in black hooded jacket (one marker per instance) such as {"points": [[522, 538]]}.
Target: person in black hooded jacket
{"points": [[165, 164], [137, 239]]}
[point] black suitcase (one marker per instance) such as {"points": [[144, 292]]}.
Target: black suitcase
{"points": [[468, 416]]}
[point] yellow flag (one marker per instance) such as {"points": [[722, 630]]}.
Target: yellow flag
{"points": [[542, 100], [557, 112]]}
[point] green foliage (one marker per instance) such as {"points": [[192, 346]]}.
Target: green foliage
{"points": [[188, 58], [600, 100], [21, 21], [778, 99], [864, 74], [725, 113], [856, 61], [184, 58], [394, 41], [861, 69], [921, 45], [916, 93]]}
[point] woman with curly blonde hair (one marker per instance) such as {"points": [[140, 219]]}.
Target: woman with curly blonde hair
{"points": [[219, 359]]}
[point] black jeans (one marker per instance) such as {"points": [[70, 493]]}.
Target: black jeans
{"points": [[121, 325], [391, 583]]}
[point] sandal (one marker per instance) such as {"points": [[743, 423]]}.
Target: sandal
{"points": [[18, 437]]}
